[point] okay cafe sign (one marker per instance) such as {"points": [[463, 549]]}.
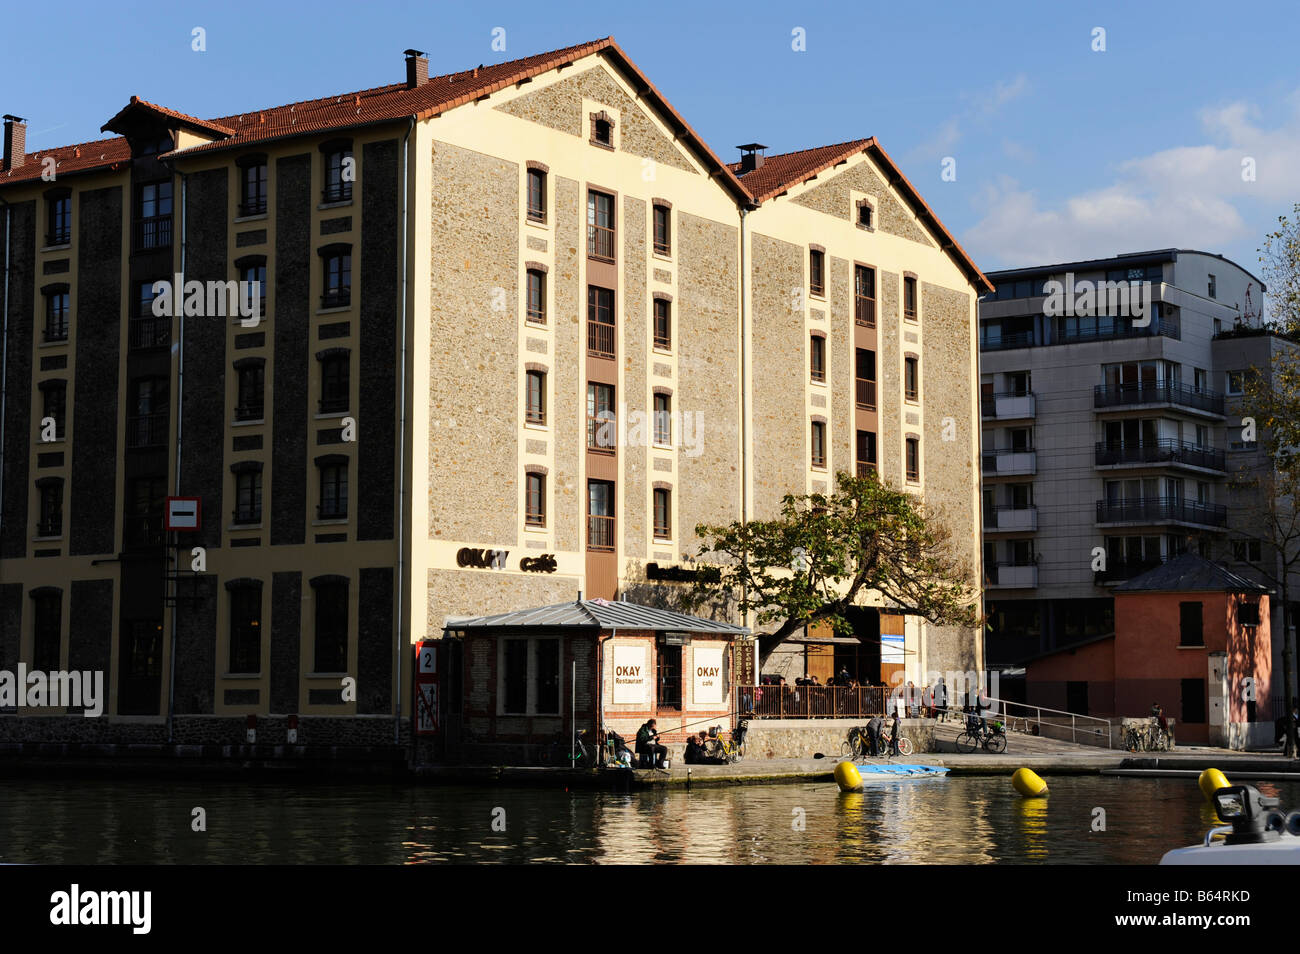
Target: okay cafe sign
{"points": [[708, 675]]}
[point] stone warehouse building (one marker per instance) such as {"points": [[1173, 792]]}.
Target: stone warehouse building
{"points": [[521, 331]]}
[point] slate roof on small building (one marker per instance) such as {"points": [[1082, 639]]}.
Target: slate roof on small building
{"points": [[599, 614], [1187, 573]]}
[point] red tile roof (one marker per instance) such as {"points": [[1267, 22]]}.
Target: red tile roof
{"points": [[781, 172], [137, 104]]}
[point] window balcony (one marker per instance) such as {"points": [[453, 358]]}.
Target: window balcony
{"points": [[50, 527], [146, 430], [1009, 405], [866, 394], [600, 533], [332, 510], [144, 529], [336, 298], [252, 411], [253, 205], [149, 332], [864, 311], [600, 339], [61, 236], [600, 243], [153, 232], [1165, 451], [1148, 510], [333, 405], [1014, 576], [866, 468], [1010, 462], [56, 329], [1009, 342], [337, 192], [1011, 519], [1157, 392], [246, 515]]}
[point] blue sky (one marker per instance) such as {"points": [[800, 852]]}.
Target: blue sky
{"points": [[1061, 152]]}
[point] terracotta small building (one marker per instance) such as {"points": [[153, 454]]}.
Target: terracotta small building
{"points": [[1189, 634], [525, 678]]}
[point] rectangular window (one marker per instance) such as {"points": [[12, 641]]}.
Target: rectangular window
{"points": [[600, 322], [663, 423], [245, 629], [1248, 614], [668, 672], [602, 418], [338, 280], [600, 226], [663, 324], [913, 461], [1212, 287], [55, 394], [537, 195], [865, 373], [818, 444], [817, 272], [331, 653], [909, 297], [59, 219], [536, 287], [252, 189], [663, 230], [338, 176], [535, 502], [864, 295], [254, 278], [911, 379], [865, 214], [248, 497], [817, 358], [143, 522], [56, 316], [535, 397], [1193, 700], [50, 522], [251, 400], [866, 450], [333, 492], [146, 423], [47, 646], [600, 515], [515, 669], [335, 384], [1236, 382], [154, 215], [663, 515], [1190, 632]]}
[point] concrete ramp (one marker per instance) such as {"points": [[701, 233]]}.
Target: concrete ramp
{"points": [[1018, 743]]}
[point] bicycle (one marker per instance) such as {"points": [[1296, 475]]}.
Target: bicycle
{"points": [[563, 751], [857, 745], [729, 750], [1146, 739], [992, 739]]}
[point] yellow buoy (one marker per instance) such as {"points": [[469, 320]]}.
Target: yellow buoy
{"points": [[1211, 781], [847, 777], [1028, 784]]}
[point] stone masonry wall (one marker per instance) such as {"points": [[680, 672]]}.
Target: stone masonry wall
{"points": [[636, 495], [569, 403], [473, 467], [889, 392], [840, 366], [892, 217]]}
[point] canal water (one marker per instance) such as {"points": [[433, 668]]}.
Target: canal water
{"points": [[952, 820]]}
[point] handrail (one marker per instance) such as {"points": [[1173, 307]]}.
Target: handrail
{"points": [[1038, 718]]}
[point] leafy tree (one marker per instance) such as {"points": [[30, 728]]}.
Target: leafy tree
{"points": [[827, 553]]}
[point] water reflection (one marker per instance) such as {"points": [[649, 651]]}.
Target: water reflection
{"points": [[954, 820]]}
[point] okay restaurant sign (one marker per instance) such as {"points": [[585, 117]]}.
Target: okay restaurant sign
{"points": [[632, 675], [708, 675]]}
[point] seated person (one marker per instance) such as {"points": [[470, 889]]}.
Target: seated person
{"points": [[647, 743], [620, 748], [694, 752]]}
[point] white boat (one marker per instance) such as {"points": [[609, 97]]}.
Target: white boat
{"points": [[1257, 833]]}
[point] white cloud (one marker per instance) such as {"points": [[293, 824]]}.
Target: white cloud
{"points": [[1190, 196], [979, 108]]}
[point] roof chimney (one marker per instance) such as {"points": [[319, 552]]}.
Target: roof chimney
{"points": [[15, 141], [417, 68], [750, 157]]}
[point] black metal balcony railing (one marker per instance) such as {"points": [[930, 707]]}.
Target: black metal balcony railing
{"points": [[154, 231], [252, 411], [600, 339], [50, 527], [866, 467], [59, 237], [1152, 392], [144, 529], [253, 205], [1017, 561], [600, 243], [243, 515], [337, 192], [664, 342], [146, 430], [332, 510], [866, 394], [56, 329], [1165, 450], [1152, 509], [600, 532], [1118, 571], [149, 333], [1163, 327], [602, 432], [1020, 339], [333, 404], [864, 311], [336, 298]]}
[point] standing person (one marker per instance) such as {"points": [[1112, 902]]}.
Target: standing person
{"points": [[874, 729], [927, 701], [647, 743], [940, 697], [911, 699], [895, 729], [1158, 713]]}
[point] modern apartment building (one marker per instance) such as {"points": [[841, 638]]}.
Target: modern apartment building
{"points": [[520, 331], [1112, 434]]}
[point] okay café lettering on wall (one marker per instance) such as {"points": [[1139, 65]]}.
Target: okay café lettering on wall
{"points": [[708, 675], [497, 560]]}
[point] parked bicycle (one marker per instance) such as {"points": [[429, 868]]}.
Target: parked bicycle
{"points": [[857, 745], [992, 737], [1150, 738], [569, 752], [731, 749]]}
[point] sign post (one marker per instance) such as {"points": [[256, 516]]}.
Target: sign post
{"points": [[426, 687]]}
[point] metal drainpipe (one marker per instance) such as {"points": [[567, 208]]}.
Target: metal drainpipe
{"points": [[744, 407], [401, 441], [4, 361], [180, 391]]}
